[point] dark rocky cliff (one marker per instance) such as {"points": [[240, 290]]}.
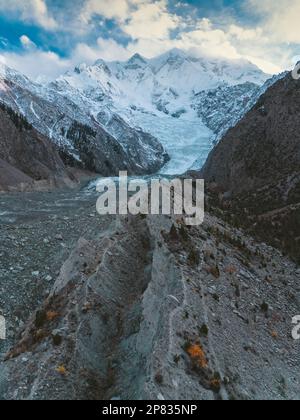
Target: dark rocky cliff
{"points": [[27, 158], [255, 169]]}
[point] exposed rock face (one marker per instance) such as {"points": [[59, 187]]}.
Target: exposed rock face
{"points": [[27, 158], [153, 310], [257, 164], [131, 139], [222, 108]]}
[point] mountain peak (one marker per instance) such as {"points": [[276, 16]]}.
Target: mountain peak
{"points": [[80, 68], [137, 57], [2, 69], [177, 52]]}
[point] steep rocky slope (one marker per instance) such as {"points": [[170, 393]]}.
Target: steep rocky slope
{"points": [[150, 309], [257, 167], [27, 158]]}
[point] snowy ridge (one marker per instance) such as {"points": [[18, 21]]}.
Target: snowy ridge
{"points": [[159, 96], [164, 84], [142, 99]]}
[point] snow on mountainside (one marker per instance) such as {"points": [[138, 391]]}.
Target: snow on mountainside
{"points": [[161, 96], [165, 83], [81, 139], [222, 108], [168, 97]]}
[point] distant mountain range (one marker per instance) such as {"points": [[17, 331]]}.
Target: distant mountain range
{"points": [[117, 116]]}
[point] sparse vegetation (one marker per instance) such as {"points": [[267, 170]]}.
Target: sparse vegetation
{"points": [[159, 379], [194, 257], [197, 355], [204, 330], [19, 120]]}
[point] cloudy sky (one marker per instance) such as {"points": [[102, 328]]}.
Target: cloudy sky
{"points": [[50, 36]]}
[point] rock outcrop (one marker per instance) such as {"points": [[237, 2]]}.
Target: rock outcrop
{"points": [[28, 160]]}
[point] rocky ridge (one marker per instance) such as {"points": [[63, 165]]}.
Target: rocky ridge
{"points": [[150, 309]]}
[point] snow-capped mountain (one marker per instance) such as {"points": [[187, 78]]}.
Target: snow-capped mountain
{"points": [[135, 105], [161, 96], [81, 139], [164, 84]]}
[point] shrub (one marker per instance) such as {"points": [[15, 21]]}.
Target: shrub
{"points": [[197, 355], [274, 334], [176, 359], [215, 383], [230, 269], [62, 370], [51, 315], [173, 233], [264, 307], [40, 319], [159, 378], [194, 257], [215, 271], [204, 330]]}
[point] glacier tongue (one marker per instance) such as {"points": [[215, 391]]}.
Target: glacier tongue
{"points": [[185, 139]]}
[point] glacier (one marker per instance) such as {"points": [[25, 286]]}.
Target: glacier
{"points": [[187, 139]]}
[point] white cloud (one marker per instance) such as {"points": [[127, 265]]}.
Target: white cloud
{"points": [[137, 18], [116, 9], [26, 42], [151, 20], [36, 63], [150, 26], [214, 42], [280, 18], [32, 11], [244, 34], [107, 49]]}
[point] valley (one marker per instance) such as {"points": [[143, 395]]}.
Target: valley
{"points": [[112, 307], [145, 307]]}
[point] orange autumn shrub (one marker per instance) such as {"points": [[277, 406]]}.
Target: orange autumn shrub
{"points": [[196, 353], [230, 269], [274, 334], [61, 370], [215, 384], [51, 315]]}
